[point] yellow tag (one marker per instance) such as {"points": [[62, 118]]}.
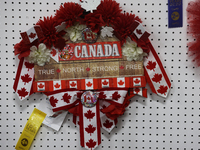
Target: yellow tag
{"points": [[30, 130]]}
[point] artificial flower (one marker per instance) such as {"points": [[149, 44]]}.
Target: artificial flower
{"points": [[109, 10], [51, 37], [23, 50], [132, 51], [94, 21], [69, 13], [124, 26], [39, 55], [141, 43], [75, 32]]}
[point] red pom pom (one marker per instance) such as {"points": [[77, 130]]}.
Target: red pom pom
{"points": [[94, 21], [123, 27], [68, 13], [51, 37], [110, 11], [107, 13], [193, 29]]}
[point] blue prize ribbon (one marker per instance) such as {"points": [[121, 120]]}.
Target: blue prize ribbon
{"points": [[175, 13]]}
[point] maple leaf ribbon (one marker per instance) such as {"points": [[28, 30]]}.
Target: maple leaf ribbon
{"points": [[24, 79], [155, 74], [89, 119]]}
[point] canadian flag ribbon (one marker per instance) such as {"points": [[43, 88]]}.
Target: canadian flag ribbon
{"points": [[139, 31], [89, 125], [140, 91], [155, 74], [32, 34], [55, 54], [106, 123], [24, 79], [109, 106]]}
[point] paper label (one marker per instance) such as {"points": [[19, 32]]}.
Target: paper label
{"points": [[53, 120], [175, 13], [30, 130]]}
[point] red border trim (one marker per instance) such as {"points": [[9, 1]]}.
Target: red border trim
{"points": [[97, 84], [18, 74], [98, 123], [81, 127]]}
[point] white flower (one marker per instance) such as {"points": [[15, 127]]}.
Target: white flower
{"points": [[39, 55], [132, 52], [75, 32]]}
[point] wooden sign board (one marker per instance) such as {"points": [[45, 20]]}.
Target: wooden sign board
{"points": [[89, 61]]}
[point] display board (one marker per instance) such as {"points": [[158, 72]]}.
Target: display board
{"points": [[149, 123]]}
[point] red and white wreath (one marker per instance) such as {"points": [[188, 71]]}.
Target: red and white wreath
{"points": [[106, 19]]}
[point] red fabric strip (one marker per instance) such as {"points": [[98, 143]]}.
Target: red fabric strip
{"points": [[74, 119], [18, 74], [144, 92], [65, 107], [81, 127], [98, 123]]}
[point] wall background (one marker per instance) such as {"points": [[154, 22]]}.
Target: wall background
{"points": [[149, 123]]}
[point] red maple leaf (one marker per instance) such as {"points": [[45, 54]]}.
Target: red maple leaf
{"points": [[87, 69], [66, 98], [157, 78], [102, 95], [91, 143], [53, 101], [121, 82], [89, 98], [151, 65], [73, 84], [41, 86], [121, 67], [26, 78], [107, 124], [53, 52], [162, 89], [138, 31], [89, 84], [32, 35], [22, 92], [137, 90], [116, 96], [29, 65], [57, 85], [137, 81], [58, 70], [90, 129], [89, 115], [105, 82]]}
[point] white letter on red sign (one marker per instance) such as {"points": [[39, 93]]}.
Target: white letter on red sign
{"points": [[108, 50], [76, 48]]}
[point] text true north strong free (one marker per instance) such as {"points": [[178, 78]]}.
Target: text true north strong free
{"points": [[92, 69]]}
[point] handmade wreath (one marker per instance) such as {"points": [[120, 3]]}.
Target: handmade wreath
{"points": [[88, 60]]}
